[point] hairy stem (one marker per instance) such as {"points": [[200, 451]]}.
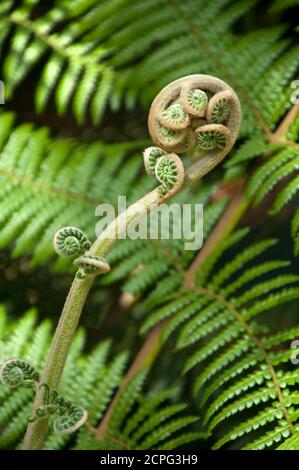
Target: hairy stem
{"points": [[66, 328], [216, 140]]}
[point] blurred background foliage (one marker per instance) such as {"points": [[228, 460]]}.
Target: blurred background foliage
{"points": [[79, 78]]}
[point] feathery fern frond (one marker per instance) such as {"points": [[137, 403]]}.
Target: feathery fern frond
{"points": [[96, 52], [68, 179], [280, 168], [238, 362], [137, 421]]}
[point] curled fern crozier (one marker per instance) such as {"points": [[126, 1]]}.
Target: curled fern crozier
{"points": [[169, 171], [17, 372], [70, 417], [70, 241], [194, 101], [219, 107], [194, 114], [187, 104], [150, 157], [175, 117], [90, 264], [213, 136]]}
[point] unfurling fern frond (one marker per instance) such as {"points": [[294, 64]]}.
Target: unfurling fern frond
{"points": [[70, 417], [18, 372], [69, 241], [237, 362], [81, 382], [90, 380]]}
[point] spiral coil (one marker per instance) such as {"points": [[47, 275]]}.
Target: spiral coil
{"points": [[198, 114], [70, 241], [18, 372], [70, 417]]}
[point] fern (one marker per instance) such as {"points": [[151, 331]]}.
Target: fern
{"points": [[90, 380], [85, 45], [37, 172], [233, 355], [85, 57]]}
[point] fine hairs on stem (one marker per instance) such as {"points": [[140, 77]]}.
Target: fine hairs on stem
{"points": [[198, 116]]}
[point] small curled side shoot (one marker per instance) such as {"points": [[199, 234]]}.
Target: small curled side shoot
{"points": [[70, 241], [89, 264], [150, 157], [17, 372], [167, 168], [194, 101], [70, 416], [219, 107], [175, 117], [213, 136]]}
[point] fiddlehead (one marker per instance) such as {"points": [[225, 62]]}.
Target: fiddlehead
{"points": [[70, 417], [70, 241], [193, 94], [194, 101], [20, 373], [17, 372], [89, 264], [219, 107], [175, 117], [213, 136], [198, 114], [167, 168]]}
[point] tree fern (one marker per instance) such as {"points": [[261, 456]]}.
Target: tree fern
{"points": [[86, 56]]}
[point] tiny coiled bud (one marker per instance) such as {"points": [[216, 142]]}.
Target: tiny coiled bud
{"points": [[167, 168], [219, 107], [175, 117], [69, 422], [194, 101], [150, 157], [17, 372], [90, 264], [213, 136], [70, 416], [169, 138], [70, 241]]}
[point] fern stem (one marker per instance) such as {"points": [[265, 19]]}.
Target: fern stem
{"points": [[61, 344], [170, 172]]}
